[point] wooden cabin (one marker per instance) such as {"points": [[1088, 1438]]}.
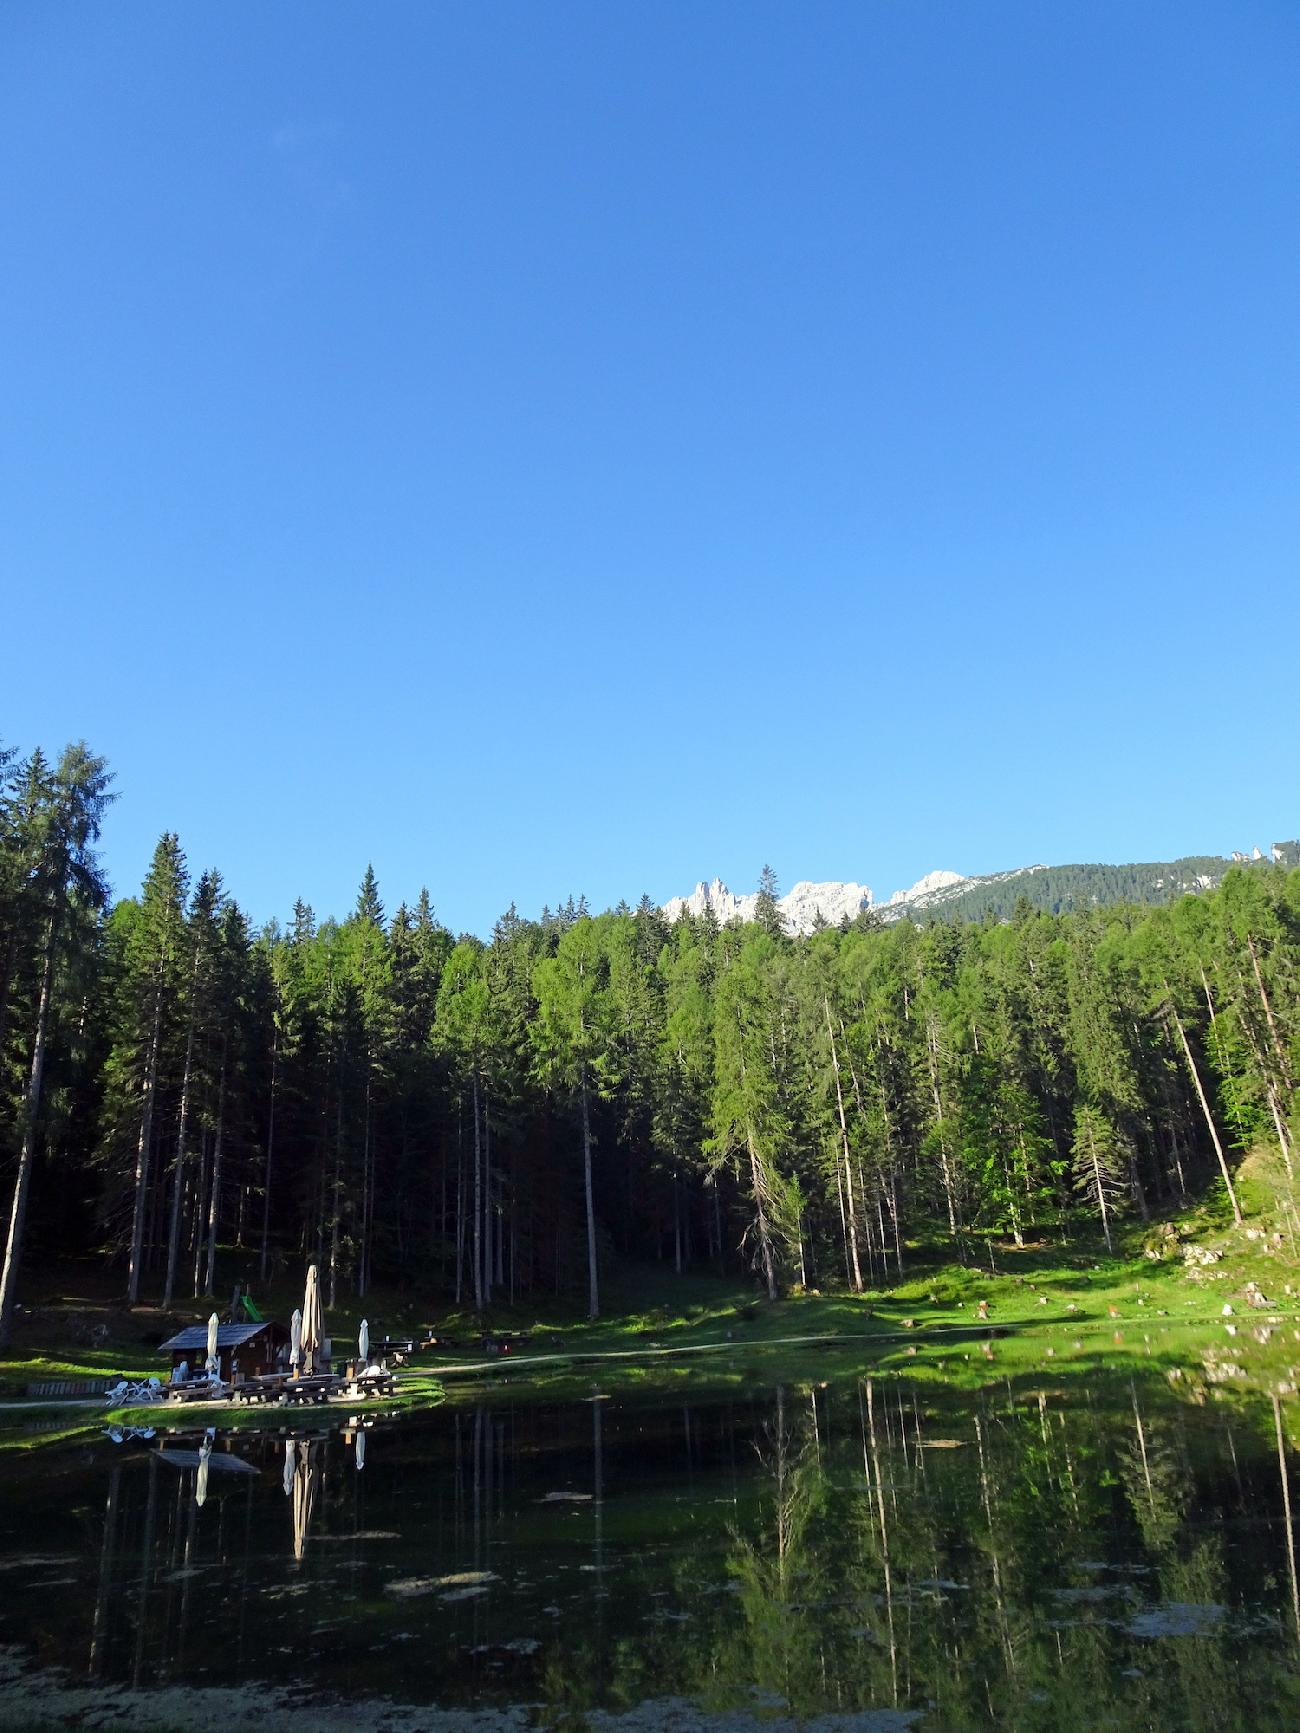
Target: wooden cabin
{"points": [[243, 1350]]}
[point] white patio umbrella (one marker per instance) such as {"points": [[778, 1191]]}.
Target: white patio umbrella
{"points": [[201, 1482], [363, 1343], [312, 1322], [213, 1365], [295, 1341]]}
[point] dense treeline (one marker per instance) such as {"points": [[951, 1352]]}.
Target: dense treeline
{"points": [[502, 1119]]}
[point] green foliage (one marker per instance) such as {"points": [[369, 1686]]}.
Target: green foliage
{"points": [[503, 1118]]}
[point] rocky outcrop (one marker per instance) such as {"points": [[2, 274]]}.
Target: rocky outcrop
{"points": [[799, 907]]}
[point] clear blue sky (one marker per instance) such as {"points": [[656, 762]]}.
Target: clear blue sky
{"points": [[593, 446]]}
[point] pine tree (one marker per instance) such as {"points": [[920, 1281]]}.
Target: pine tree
{"points": [[150, 986], [66, 894], [750, 1121], [467, 1033], [575, 1044], [1098, 1159], [767, 909]]}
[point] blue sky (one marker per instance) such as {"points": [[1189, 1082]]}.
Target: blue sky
{"points": [[593, 447]]}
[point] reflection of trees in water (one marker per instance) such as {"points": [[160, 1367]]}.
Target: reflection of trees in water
{"points": [[808, 1544], [781, 1579], [849, 1586]]}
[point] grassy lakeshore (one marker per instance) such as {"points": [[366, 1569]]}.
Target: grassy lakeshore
{"points": [[1194, 1298]]}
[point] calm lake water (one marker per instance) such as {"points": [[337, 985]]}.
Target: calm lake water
{"points": [[851, 1555]]}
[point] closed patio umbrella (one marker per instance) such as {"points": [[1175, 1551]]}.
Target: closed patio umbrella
{"points": [[363, 1343], [213, 1364], [295, 1341], [312, 1322]]}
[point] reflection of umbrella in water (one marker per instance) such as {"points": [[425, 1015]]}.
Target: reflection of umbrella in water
{"points": [[288, 1467], [201, 1479], [304, 1496], [295, 1340], [213, 1365], [363, 1343], [361, 1448], [312, 1322]]}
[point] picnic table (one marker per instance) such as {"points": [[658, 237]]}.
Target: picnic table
{"points": [[264, 1388], [318, 1388], [376, 1384], [195, 1390]]}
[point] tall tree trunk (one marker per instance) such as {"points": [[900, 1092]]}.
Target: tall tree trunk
{"points": [[214, 1199], [1205, 1106], [677, 1226], [1270, 1086], [27, 1152], [198, 1225], [932, 1051], [336, 1205], [844, 1226], [499, 1239], [178, 1165], [1276, 1039], [1261, 1060], [1101, 1196], [893, 1213], [143, 1153], [593, 1300], [844, 1145], [367, 1197], [759, 1181], [6, 977], [460, 1202], [270, 1153], [488, 1236], [478, 1199]]}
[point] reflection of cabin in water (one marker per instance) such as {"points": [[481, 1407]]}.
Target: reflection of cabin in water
{"points": [[243, 1350]]}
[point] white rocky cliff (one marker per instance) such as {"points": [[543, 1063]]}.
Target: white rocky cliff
{"points": [[802, 904]]}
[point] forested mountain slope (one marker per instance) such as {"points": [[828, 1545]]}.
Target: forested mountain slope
{"points": [[989, 896], [511, 1117], [1060, 889]]}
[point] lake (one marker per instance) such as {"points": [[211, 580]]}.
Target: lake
{"points": [[859, 1554]]}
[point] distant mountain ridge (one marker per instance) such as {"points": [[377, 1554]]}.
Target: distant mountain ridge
{"points": [[956, 896]]}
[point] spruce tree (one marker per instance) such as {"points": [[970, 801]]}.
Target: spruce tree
{"points": [[767, 910], [65, 896], [575, 1045]]}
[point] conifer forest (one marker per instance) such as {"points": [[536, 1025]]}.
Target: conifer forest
{"points": [[510, 1118]]}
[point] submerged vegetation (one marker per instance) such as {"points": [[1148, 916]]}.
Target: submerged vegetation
{"points": [[187, 1100]]}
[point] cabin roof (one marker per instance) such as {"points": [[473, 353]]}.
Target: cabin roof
{"points": [[228, 1336]]}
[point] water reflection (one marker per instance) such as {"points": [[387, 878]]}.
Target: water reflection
{"points": [[1063, 1559]]}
